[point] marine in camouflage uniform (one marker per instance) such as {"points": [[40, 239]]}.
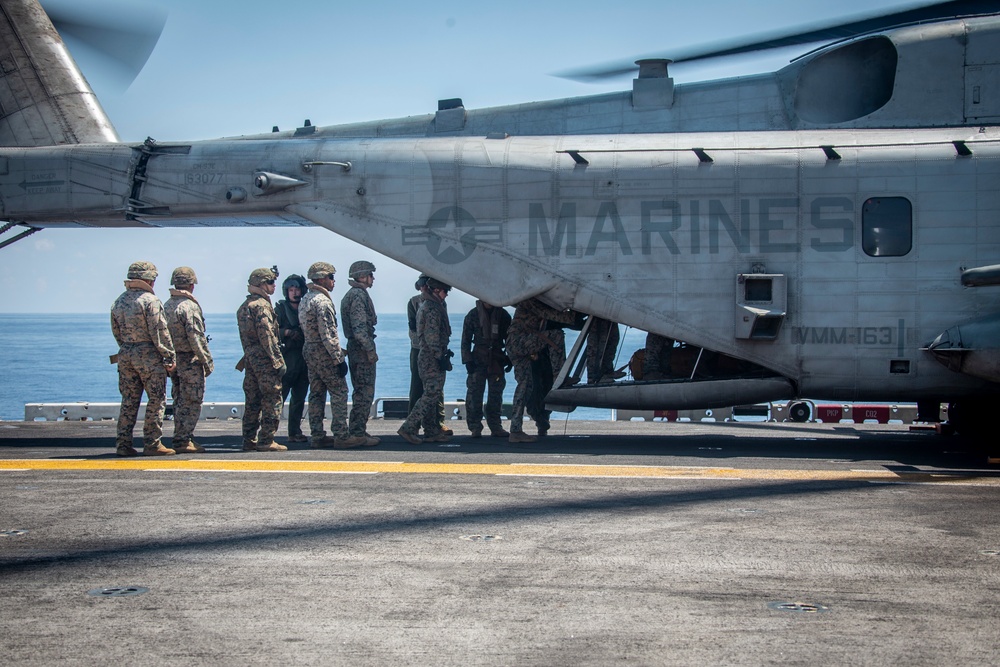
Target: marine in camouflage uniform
{"points": [[194, 361], [263, 364], [359, 316], [656, 362], [602, 345], [295, 381], [433, 361], [326, 361], [530, 337], [145, 356], [483, 334], [416, 386]]}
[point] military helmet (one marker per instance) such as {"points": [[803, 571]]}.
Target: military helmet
{"points": [[293, 280], [421, 282], [321, 270], [259, 276], [360, 268], [142, 271], [434, 283], [183, 275]]}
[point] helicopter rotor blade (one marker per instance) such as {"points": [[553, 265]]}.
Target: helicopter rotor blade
{"points": [[123, 34], [816, 32]]}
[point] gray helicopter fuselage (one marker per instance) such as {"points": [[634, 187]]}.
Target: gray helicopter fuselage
{"points": [[658, 232]]}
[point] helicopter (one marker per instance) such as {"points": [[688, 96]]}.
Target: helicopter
{"points": [[826, 229]]}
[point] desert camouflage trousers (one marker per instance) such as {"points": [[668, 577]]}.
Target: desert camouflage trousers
{"points": [[187, 388], [262, 412], [323, 378], [140, 368], [520, 349], [363, 383], [425, 410], [475, 385]]}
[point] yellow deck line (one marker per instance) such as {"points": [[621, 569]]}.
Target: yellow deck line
{"points": [[522, 469]]}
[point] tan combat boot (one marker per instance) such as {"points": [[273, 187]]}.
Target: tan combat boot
{"points": [[350, 442], [322, 442], [272, 447], [189, 447], [521, 436], [127, 450], [438, 437], [411, 438], [157, 450]]}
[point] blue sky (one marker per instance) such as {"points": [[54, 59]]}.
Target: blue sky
{"points": [[232, 67]]}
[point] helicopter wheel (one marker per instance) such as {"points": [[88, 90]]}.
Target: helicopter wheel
{"points": [[799, 412], [971, 418]]}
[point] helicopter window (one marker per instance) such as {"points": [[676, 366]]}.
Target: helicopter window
{"points": [[887, 226]]}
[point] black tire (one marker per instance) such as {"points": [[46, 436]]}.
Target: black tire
{"points": [[799, 412], [971, 419]]}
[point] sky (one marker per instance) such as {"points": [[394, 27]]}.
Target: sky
{"points": [[225, 68]]}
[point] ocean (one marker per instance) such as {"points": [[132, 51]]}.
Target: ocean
{"points": [[64, 358]]}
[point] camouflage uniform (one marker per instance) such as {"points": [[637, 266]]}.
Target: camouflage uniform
{"points": [[602, 345], [528, 337], [483, 333], [359, 316], [194, 362], [656, 362], [264, 368], [433, 334], [323, 356], [145, 349], [416, 386]]}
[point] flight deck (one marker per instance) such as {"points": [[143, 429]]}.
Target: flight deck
{"points": [[603, 543]]}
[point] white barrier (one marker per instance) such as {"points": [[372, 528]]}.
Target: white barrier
{"points": [[83, 411]]}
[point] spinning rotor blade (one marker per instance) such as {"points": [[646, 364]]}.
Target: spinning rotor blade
{"points": [[822, 31], [122, 33]]}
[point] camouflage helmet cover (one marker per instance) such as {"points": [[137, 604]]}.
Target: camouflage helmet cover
{"points": [[321, 270], [360, 268], [434, 283], [258, 276], [183, 275], [142, 271]]}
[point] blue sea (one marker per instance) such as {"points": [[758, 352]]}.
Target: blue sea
{"points": [[64, 358]]}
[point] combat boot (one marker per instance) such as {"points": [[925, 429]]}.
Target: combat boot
{"points": [[521, 436], [298, 437], [189, 447], [349, 442], [127, 450], [411, 438], [476, 432], [249, 445], [499, 433], [371, 440], [272, 447], [157, 450], [322, 442], [445, 429], [438, 437]]}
